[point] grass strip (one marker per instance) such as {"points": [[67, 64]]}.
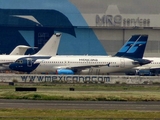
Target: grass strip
{"points": [[82, 95], [76, 114]]}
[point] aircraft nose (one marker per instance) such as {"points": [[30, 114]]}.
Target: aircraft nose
{"points": [[12, 66]]}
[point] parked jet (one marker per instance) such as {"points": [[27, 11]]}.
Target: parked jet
{"points": [[19, 50], [152, 68], [48, 50], [85, 64]]}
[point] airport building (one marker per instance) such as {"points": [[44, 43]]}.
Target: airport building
{"points": [[88, 27]]}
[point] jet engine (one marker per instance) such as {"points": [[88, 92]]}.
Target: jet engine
{"points": [[64, 72]]}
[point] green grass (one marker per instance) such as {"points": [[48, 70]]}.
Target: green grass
{"points": [[82, 95], [44, 114], [90, 92], [87, 92], [88, 87]]}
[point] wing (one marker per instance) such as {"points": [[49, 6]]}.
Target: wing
{"points": [[82, 67], [5, 63]]}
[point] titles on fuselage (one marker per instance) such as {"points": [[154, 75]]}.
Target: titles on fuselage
{"points": [[88, 59]]}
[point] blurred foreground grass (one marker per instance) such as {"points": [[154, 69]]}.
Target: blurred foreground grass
{"points": [[90, 92], [39, 114]]}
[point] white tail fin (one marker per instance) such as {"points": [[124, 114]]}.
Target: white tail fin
{"points": [[20, 50], [51, 46]]}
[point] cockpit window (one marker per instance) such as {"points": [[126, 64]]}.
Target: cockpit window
{"points": [[19, 61]]}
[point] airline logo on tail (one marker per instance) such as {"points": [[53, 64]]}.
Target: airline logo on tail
{"points": [[138, 48], [127, 45]]}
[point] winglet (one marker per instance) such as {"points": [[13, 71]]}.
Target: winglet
{"points": [[51, 47]]}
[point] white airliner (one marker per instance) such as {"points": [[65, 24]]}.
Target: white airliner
{"points": [[152, 68], [48, 50], [85, 64], [19, 50]]}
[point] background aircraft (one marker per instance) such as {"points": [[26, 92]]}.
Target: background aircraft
{"points": [[19, 50], [150, 69]]}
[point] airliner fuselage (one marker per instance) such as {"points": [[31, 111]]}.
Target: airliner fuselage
{"points": [[75, 65]]}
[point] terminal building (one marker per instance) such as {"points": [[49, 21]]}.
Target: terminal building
{"points": [[88, 27]]}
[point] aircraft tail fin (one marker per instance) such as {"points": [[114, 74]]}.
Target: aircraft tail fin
{"points": [[127, 45], [20, 50], [138, 48], [51, 46]]}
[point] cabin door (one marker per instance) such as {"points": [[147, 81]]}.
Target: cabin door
{"points": [[122, 63], [29, 62]]}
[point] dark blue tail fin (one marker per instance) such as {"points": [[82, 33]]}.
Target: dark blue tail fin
{"points": [[138, 48], [127, 46]]}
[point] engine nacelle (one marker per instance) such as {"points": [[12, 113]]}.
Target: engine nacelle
{"points": [[85, 72], [64, 72]]}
